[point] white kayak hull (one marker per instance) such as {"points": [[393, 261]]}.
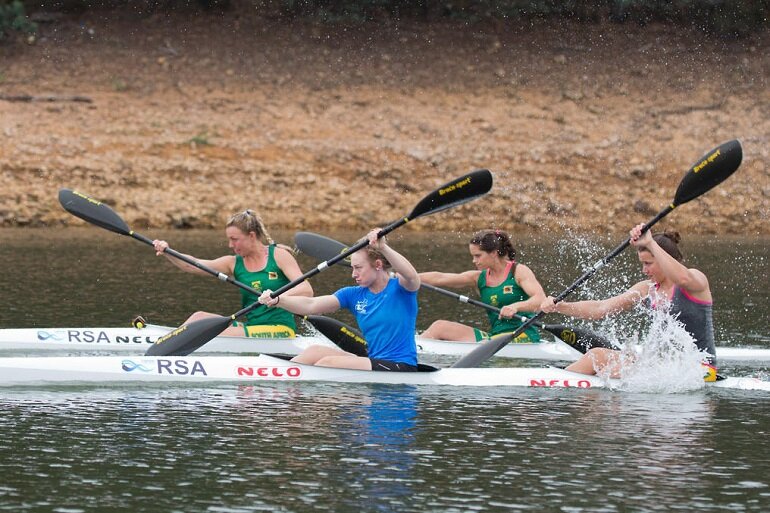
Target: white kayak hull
{"points": [[264, 368], [138, 340]]}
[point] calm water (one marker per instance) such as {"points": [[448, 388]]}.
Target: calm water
{"points": [[315, 447]]}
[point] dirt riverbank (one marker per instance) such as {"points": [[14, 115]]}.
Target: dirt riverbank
{"points": [[187, 119]]}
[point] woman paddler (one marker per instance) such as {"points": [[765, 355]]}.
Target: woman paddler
{"points": [[384, 306], [671, 285], [258, 262]]}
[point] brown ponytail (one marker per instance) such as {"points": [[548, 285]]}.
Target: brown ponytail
{"points": [[669, 241]]}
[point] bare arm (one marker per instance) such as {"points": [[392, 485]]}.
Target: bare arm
{"points": [[598, 309], [454, 280], [288, 264], [302, 305], [224, 264], [407, 274]]}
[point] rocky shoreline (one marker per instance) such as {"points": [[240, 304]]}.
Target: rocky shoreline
{"points": [[177, 124]]}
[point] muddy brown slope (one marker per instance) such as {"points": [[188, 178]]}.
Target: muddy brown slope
{"points": [[321, 127]]}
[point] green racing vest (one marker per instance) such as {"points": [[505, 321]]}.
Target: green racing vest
{"points": [[505, 293], [270, 277]]}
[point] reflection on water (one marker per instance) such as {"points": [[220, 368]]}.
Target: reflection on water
{"points": [[289, 447], [250, 447], [379, 432]]}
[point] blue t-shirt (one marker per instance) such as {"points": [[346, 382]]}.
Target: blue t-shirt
{"points": [[387, 320]]}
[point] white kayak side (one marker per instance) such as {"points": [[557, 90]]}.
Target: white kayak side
{"points": [[545, 350], [264, 368], [742, 354], [137, 340]]}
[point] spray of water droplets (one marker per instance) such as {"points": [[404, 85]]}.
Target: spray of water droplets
{"points": [[661, 359]]}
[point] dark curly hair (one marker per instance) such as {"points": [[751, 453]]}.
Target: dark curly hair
{"points": [[494, 240]]}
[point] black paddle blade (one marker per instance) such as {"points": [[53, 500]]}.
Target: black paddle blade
{"points": [[189, 337], [93, 211], [484, 351], [458, 191], [711, 170], [579, 338], [320, 247], [345, 337]]}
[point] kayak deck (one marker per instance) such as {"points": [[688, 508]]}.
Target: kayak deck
{"points": [[138, 340]]}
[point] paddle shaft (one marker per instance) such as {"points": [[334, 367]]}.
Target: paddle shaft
{"points": [[615, 252], [195, 263], [711, 170], [323, 265], [465, 299]]}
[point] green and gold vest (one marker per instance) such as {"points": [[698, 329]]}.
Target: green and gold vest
{"points": [[271, 277], [506, 293]]}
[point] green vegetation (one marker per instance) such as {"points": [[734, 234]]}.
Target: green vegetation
{"points": [[14, 18], [200, 139], [119, 85], [724, 17]]}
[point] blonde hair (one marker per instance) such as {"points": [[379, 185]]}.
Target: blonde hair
{"points": [[249, 221]]}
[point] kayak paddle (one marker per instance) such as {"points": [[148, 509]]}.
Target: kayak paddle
{"points": [[710, 170], [189, 337], [323, 248]]}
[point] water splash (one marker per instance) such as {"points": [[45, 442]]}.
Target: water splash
{"points": [[663, 359]]}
